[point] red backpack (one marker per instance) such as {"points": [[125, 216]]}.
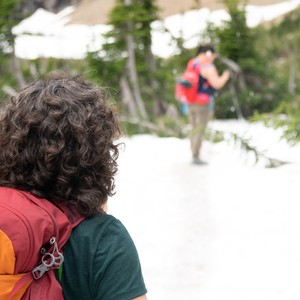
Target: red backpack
{"points": [[32, 234], [186, 86]]}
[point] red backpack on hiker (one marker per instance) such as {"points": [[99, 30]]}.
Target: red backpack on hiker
{"points": [[32, 234], [186, 86], [191, 87]]}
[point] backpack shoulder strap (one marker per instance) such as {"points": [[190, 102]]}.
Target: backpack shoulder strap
{"points": [[72, 213], [192, 63]]}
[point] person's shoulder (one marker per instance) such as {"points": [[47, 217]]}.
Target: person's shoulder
{"points": [[98, 226], [101, 218], [207, 65], [98, 222], [207, 68], [101, 230]]}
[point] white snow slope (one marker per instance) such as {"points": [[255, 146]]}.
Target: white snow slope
{"points": [[229, 230]]}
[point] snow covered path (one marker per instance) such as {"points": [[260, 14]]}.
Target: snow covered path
{"points": [[227, 230]]}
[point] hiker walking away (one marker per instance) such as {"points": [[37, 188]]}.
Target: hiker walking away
{"points": [[58, 155], [201, 107]]}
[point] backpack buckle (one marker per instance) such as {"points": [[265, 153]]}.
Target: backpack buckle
{"points": [[49, 261], [39, 271]]}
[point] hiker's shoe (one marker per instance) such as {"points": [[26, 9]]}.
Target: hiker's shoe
{"points": [[198, 161]]}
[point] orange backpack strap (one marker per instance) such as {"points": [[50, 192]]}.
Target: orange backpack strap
{"points": [[12, 286], [20, 284]]}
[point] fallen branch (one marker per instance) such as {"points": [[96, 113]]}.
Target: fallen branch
{"points": [[148, 125], [245, 144]]}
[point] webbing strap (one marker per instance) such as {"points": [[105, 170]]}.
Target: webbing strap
{"points": [[72, 213]]}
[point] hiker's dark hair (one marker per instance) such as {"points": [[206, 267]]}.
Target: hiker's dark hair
{"points": [[204, 49], [58, 141]]}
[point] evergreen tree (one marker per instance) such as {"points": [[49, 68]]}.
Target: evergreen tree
{"points": [[9, 64], [7, 20], [236, 38], [128, 61], [237, 42]]}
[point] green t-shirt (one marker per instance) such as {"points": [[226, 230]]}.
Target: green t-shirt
{"points": [[101, 262]]}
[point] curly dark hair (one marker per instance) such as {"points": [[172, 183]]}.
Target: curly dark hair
{"points": [[58, 141]]}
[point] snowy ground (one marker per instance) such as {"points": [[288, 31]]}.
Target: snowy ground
{"points": [[227, 230]]}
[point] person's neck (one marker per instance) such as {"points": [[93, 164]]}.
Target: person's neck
{"points": [[202, 59]]}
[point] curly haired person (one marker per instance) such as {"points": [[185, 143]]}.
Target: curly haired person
{"points": [[58, 141]]}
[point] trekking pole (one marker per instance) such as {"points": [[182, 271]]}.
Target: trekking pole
{"points": [[235, 99], [234, 68]]}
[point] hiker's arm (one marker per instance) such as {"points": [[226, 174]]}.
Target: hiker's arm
{"points": [[216, 81]]}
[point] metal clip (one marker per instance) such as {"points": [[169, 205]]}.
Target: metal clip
{"points": [[49, 260], [39, 271], [52, 240], [58, 261]]}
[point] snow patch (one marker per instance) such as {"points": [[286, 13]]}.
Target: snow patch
{"points": [[228, 230]]}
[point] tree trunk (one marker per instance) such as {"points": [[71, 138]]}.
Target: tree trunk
{"points": [[132, 73], [292, 78], [158, 105], [17, 70], [127, 97]]}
